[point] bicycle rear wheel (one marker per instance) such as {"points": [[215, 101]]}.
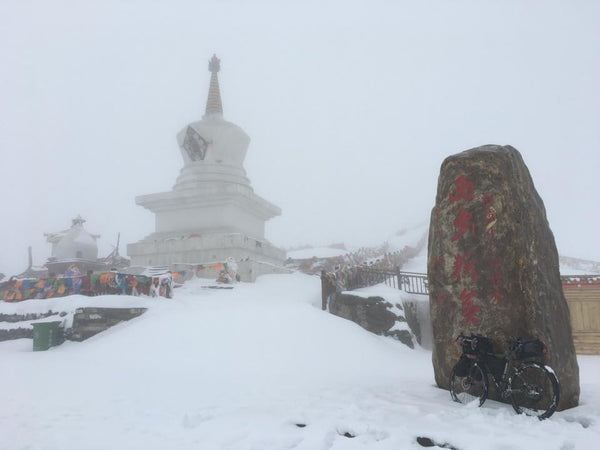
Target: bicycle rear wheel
{"points": [[534, 390], [473, 386]]}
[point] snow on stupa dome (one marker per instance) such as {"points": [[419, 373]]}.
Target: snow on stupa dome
{"points": [[74, 243], [213, 140]]}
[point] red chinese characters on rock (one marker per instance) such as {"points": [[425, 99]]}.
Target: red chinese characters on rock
{"points": [[463, 189], [465, 270], [464, 266], [463, 223], [469, 309]]}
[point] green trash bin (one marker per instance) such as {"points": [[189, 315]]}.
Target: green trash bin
{"points": [[45, 335]]}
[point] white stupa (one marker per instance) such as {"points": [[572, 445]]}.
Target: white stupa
{"points": [[74, 243], [75, 246], [212, 213]]}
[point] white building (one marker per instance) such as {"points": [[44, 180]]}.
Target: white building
{"points": [[212, 212]]}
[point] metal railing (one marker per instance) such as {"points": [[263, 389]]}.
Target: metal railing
{"points": [[359, 277], [417, 283], [413, 283]]}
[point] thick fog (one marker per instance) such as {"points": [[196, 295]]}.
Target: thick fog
{"points": [[351, 108]]}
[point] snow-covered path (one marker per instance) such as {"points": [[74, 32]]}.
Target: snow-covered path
{"points": [[242, 369]]}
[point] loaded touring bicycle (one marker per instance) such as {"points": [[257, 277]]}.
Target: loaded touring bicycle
{"points": [[530, 385]]}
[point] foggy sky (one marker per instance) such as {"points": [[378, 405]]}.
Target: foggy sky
{"points": [[351, 108]]}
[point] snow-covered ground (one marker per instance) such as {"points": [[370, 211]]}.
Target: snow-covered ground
{"points": [[256, 367]]}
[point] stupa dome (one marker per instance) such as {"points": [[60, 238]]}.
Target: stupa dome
{"points": [[216, 140]]}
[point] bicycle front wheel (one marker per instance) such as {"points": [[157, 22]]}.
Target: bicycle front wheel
{"points": [[534, 390], [471, 387]]}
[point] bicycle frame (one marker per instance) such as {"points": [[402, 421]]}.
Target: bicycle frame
{"points": [[502, 383]]}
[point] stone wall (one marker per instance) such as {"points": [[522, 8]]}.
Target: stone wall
{"points": [[21, 327], [16, 333], [88, 322]]}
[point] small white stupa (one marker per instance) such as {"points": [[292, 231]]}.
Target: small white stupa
{"points": [[75, 246], [212, 212]]}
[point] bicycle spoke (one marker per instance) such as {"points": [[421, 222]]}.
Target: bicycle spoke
{"points": [[534, 390], [469, 388]]}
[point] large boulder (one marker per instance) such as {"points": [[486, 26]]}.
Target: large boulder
{"points": [[493, 266], [374, 314]]}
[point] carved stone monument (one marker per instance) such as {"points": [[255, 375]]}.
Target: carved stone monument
{"points": [[493, 265], [212, 214]]}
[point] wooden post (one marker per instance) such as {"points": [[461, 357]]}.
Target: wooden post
{"points": [[324, 290]]}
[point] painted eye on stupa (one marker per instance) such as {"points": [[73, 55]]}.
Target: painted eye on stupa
{"points": [[195, 145]]}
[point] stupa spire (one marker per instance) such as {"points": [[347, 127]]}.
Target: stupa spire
{"points": [[213, 102], [77, 220]]}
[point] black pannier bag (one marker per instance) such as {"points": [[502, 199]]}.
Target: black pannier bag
{"points": [[528, 349], [463, 366], [496, 366], [476, 345]]}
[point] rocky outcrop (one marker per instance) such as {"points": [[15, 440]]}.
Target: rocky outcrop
{"points": [[373, 314], [15, 318], [493, 265], [16, 333], [88, 322]]}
